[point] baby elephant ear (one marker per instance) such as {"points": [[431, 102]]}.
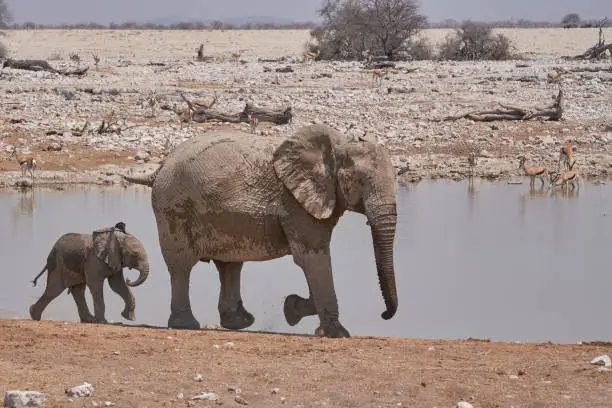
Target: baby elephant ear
{"points": [[107, 248], [306, 165]]}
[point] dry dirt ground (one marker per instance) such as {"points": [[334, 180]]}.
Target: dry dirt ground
{"points": [[151, 367]]}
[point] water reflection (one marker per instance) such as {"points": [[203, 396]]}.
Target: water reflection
{"points": [[466, 266]]}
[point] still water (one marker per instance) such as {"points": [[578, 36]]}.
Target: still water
{"points": [[495, 261]]}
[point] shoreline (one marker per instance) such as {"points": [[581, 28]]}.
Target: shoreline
{"points": [[143, 367]]}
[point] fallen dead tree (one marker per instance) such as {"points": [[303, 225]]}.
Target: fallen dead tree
{"points": [[41, 65], [598, 51], [201, 114], [552, 111]]}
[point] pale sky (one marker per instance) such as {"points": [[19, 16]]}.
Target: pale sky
{"points": [[105, 11]]}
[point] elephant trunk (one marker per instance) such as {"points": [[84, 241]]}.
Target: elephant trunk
{"points": [[383, 219], [144, 274]]}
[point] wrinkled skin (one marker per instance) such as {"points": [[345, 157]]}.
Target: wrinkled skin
{"points": [[77, 260], [233, 197]]}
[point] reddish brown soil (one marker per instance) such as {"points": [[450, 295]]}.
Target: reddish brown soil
{"points": [[154, 366]]}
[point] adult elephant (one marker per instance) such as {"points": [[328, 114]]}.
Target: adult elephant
{"points": [[77, 260], [232, 197]]}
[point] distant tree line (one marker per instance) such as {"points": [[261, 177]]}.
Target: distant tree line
{"points": [[191, 25]]}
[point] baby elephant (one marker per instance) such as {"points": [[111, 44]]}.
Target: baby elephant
{"points": [[77, 260]]}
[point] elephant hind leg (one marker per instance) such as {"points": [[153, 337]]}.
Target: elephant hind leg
{"points": [[231, 310], [54, 288], [78, 294], [181, 316]]}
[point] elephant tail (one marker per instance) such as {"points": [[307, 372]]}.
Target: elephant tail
{"points": [[39, 275], [146, 180]]}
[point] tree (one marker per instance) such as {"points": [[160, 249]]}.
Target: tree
{"points": [[5, 14], [353, 28], [571, 20]]}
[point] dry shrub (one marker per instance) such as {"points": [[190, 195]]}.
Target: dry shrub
{"points": [[475, 41], [420, 49]]}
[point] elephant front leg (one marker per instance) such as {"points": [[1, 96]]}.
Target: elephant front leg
{"points": [[78, 294], [318, 271], [296, 307], [117, 283], [96, 287], [231, 310]]}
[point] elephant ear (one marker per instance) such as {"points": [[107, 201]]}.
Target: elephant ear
{"points": [[306, 165], [107, 248]]}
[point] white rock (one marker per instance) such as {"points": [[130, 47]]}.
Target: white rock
{"points": [[275, 390], [206, 396], [23, 399], [108, 404], [83, 390], [463, 404], [198, 378], [603, 360]]}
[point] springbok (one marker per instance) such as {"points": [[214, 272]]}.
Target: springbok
{"points": [[533, 172], [565, 179], [565, 156], [27, 163]]}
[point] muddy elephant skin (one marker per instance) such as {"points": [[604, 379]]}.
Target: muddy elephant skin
{"points": [[232, 197]]}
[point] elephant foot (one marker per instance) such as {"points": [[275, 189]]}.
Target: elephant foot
{"points": [[333, 330], [34, 314], [183, 320], [129, 315], [88, 319], [236, 319], [297, 307]]}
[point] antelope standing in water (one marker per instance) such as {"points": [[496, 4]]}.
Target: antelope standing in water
{"points": [[533, 172], [471, 165], [565, 179], [565, 157], [27, 163]]}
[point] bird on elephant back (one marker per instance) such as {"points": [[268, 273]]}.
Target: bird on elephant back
{"points": [[232, 197], [79, 260]]}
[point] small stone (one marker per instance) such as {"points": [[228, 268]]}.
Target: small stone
{"points": [[198, 378], [23, 399], [282, 400], [83, 390], [514, 377], [116, 353], [463, 404], [240, 400], [275, 390], [108, 404], [180, 396], [229, 344], [603, 360], [235, 390], [142, 155], [205, 396]]}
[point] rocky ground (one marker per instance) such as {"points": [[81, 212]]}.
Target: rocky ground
{"points": [[148, 367], [45, 114]]}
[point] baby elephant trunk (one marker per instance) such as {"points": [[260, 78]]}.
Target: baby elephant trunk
{"points": [[144, 274]]}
